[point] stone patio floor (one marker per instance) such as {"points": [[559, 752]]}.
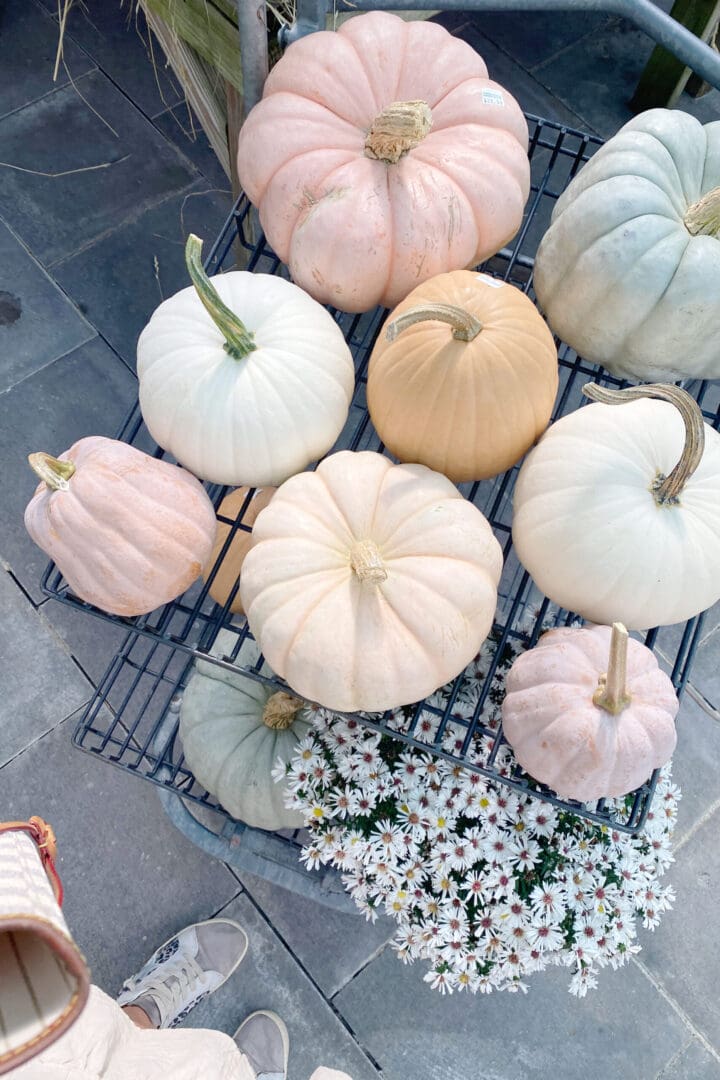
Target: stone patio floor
{"points": [[85, 257]]}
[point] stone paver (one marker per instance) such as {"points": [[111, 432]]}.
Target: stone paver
{"points": [[695, 1062], [695, 767]]}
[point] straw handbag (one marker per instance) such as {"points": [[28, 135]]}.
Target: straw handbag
{"points": [[44, 980]]}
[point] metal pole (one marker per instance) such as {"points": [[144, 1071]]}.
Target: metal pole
{"points": [[666, 31], [252, 25]]}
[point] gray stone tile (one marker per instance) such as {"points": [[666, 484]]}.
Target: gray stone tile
{"points": [[696, 764], [705, 108], [694, 1063], [29, 44], [37, 321], [682, 954], [120, 280], [92, 641], [705, 664], [131, 879], [39, 683], [623, 1029], [270, 978], [68, 136], [87, 392], [182, 127], [532, 37], [331, 946]]}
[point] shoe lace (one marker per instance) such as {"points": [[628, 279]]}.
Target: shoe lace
{"points": [[176, 984]]}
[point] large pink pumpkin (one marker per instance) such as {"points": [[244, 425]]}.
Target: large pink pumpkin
{"points": [[127, 532], [382, 155]]}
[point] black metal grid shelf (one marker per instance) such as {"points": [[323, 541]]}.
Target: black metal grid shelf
{"points": [[131, 720]]}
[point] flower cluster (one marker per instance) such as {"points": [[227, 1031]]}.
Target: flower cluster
{"points": [[487, 884]]}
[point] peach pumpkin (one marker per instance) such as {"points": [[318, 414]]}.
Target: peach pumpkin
{"points": [[589, 712], [381, 155], [128, 532], [228, 572], [463, 377]]}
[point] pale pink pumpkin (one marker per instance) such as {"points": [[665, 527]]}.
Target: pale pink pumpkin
{"points": [[589, 712], [382, 155], [127, 532]]}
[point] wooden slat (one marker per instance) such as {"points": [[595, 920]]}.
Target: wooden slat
{"points": [[665, 77]]}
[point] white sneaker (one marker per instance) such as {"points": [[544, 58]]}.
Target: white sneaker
{"points": [[263, 1039], [185, 970]]}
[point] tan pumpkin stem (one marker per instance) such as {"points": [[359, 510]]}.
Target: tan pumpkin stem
{"points": [[611, 693], [280, 710], [238, 339], [666, 490], [366, 561], [465, 327], [703, 217], [397, 129], [54, 472]]}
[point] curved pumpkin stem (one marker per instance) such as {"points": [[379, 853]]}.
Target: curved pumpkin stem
{"points": [[238, 339], [280, 710], [465, 327], [54, 472], [611, 694], [703, 217], [666, 490]]}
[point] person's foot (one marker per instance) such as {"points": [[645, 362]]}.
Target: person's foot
{"points": [[263, 1039], [185, 970]]}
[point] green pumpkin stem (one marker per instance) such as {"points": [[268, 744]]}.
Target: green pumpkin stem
{"points": [[280, 710], [52, 471], [611, 694], [666, 490], [465, 327], [238, 339], [703, 217]]}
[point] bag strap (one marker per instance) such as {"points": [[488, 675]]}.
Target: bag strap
{"points": [[44, 838]]}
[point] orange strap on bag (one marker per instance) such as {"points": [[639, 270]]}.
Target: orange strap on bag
{"points": [[44, 980]]}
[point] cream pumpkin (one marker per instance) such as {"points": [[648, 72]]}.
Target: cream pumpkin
{"points": [[628, 273], [369, 585], [245, 379], [589, 712], [381, 155], [616, 512], [128, 532], [463, 377], [227, 574]]}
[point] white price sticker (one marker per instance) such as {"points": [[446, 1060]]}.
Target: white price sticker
{"points": [[491, 281], [492, 97]]}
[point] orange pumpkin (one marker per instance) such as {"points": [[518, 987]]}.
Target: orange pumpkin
{"points": [[463, 377], [127, 532], [228, 572]]}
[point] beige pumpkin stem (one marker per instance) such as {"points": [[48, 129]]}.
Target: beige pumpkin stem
{"points": [[703, 217], [54, 472], [665, 489], [612, 694], [280, 710], [238, 339], [465, 327], [397, 129], [367, 564]]}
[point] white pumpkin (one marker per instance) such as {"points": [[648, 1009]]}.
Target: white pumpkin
{"points": [[245, 380], [234, 730], [368, 585], [629, 272], [616, 512]]}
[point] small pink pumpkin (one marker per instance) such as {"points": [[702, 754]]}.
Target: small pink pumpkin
{"points": [[382, 155], [589, 712], [127, 532]]}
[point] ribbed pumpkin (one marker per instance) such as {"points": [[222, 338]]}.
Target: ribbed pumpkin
{"points": [[616, 512], [463, 376], [381, 155], [128, 532], [228, 572], [234, 730], [369, 585], [589, 712]]}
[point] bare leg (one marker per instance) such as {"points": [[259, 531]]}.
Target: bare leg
{"points": [[139, 1017]]}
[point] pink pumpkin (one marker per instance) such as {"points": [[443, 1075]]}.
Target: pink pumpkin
{"points": [[127, 532], [382, 155], [589, 712]]}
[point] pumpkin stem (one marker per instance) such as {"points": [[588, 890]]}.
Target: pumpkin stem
{"points": [[465, 327], [238, 339], [280, 710], [611, 693], [666, 490], [703, 217], [54, 472], [397, 129], [366, 562]]}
